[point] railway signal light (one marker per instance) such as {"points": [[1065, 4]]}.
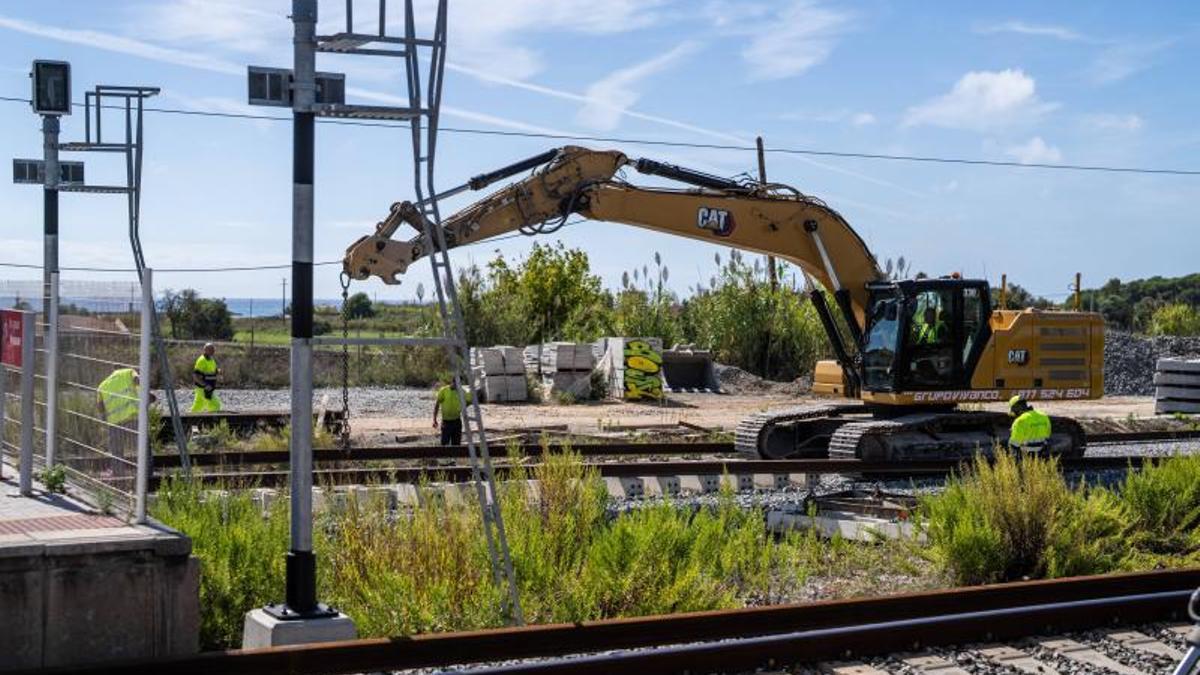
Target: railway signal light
{"points": [[51, 87]]}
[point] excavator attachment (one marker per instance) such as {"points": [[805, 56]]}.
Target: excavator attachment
{"points": [[380, 255]]}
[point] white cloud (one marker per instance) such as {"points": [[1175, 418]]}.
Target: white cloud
{"points": [[1036, 30], [1035, 151], [783, 41], [224, 23], [1112, 122], [610, 96], [863, 119], [831, 116], [1123, 60], [496, 36], [123, 45], [982, 100]]}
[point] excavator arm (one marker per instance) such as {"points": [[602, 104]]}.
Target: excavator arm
{"points": [[772, 219]]}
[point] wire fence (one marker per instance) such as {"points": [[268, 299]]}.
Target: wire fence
{"points": [[95, 419]]}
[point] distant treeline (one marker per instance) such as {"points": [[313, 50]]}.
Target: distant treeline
{"points": [[1158, 305]]}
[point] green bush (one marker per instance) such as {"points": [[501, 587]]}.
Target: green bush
{"points": [[1164, 505], [1176, 319], [1015, 518], [241, 553], [771, 332]]}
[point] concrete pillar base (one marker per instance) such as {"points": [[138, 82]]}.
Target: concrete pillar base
{"points": [[263, 630]]}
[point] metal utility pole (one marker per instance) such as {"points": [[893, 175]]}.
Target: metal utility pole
{"points": [[301, 584], [762, 179], [283, 299], [50, 129]]}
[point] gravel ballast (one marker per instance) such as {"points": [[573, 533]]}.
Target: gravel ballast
{"points": [[1129, 360]]}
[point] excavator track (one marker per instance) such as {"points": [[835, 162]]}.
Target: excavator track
{"points": [[949, 435], [791, 432]]}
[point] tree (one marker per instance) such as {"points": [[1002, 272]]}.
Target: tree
{"points": [[358, 306], [1176, 319], [196, 318], [550, 295]]}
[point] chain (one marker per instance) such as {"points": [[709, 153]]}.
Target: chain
{"points": [[344, 433]]}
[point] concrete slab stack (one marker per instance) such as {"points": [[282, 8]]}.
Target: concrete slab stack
{"points": [[565, 367], [499, 374], [1177, 386]]}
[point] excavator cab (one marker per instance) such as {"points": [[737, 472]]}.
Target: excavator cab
{"points": [[924, 334]]}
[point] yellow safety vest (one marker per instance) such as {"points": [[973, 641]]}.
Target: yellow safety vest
{"points": [[1031, 429], [447, 400], [119, 395], [931, 333], [206, 368]]}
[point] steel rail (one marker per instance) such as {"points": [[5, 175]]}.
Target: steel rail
{"points": [[460, 473], [420, 452], [773, 635], [446, 452]]}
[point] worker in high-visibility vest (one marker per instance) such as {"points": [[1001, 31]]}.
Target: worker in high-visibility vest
{"points": [[450, 418], [117, 398], [930, 329], [1030, 428], [204, 377]]}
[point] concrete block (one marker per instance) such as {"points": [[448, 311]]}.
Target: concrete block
{"points": [[1178, 393], [668, 486], [702, 484], [516, 387], [263, 630], [745, 482], [514, 360], [1178, 365], [21, 594], [773, 481], [99, 607], [1185, 407], [633, 487], [1177, 379]]}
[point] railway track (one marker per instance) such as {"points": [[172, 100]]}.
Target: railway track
{"points": [[532, 450], [818, 635], [460, 473]]}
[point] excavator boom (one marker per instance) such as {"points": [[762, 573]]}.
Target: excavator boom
{"points": [[772, 219]]}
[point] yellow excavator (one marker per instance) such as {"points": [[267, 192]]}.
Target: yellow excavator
{"points": [[920, 355]]}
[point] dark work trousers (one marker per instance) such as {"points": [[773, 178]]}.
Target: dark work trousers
{"points": [[451, 432]]}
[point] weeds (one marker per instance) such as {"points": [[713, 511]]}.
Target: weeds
{"points": [[54, 478]]}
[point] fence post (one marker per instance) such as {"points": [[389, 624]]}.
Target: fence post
{"points": [[143, 429], [28, 337], [52, 373], [3, 413]]}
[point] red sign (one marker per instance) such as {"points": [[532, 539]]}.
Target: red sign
{"points": [[11, 335]]}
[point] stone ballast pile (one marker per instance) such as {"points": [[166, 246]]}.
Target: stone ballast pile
{"points": [[1129, 360]]}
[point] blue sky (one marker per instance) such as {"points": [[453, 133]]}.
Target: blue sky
{"points": [[1078, 83]]}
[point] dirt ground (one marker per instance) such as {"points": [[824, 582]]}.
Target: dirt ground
{"points": [[707, 411]]}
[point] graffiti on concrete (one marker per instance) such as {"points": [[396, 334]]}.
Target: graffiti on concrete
{"points": [[643, 371]]}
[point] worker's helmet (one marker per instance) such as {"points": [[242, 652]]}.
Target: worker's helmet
{"points": [[1017, 405]]}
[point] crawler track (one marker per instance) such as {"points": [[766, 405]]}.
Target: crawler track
{"points": [[739, 640]]}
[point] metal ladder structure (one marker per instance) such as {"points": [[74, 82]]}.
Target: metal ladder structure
{"points": [[424, 101], [130, 100]]}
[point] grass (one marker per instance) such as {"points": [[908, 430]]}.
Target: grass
{"points": [[425, 568], [1018, 518]]}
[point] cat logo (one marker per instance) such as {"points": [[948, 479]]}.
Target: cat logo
{"points": [[1018, 356], [719, 221]]}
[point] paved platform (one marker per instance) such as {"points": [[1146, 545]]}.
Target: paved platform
{"points": [[80, 587]]}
